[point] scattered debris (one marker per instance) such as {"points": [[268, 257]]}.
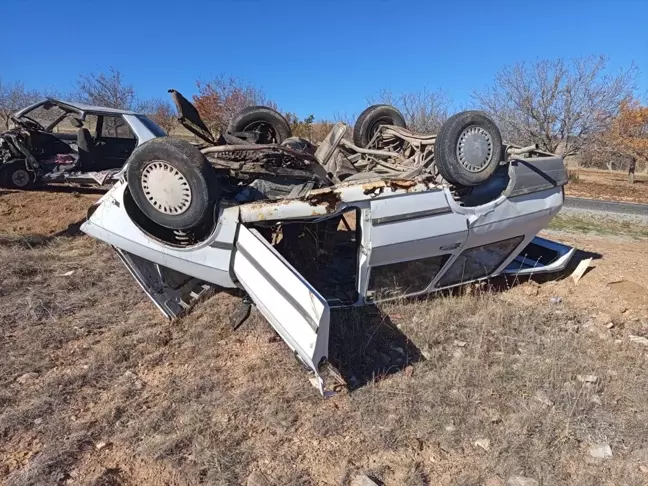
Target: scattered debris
{"points": [[587, 378], [543, 398], [483, 443], [521, 481], [460, 344], [581, 269], [639, 339], [601, 451], [556, 300], [363, 480], [257, 478], [22, 379], [100, 445]]}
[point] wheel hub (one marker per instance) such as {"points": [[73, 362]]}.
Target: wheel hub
{"points": [[20, 178], [166, 188], [474, 149]]}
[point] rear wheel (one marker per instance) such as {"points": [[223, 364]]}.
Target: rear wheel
{"points": [[268, 124], [16, 176], [172, 183], [370, 121], [468, 148]]}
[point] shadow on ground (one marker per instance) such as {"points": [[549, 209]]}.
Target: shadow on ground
{"points": [[365, 345]]}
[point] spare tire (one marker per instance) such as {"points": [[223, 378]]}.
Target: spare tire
{"points": [[172, 183], [371, 119], [269, 125], [468, 148]]}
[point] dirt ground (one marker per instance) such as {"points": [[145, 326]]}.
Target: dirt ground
{"points": [[475, 388], [608, 185]]}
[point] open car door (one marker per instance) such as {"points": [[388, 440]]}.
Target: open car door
{"points": [[293, 307]]}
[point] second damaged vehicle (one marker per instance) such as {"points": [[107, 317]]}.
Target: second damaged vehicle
{"points": [[285, 225], [58, 141]]}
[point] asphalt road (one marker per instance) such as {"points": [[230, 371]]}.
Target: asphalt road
{"points": [[583, 204]]}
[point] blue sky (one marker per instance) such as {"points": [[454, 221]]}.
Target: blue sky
{"points": [[319, 57]]}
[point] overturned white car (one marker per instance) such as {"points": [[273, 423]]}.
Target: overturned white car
{"points": [[277, 223]]}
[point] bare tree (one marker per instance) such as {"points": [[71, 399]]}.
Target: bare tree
{"points": [[162, 113], [13, 97], [424, 110], [107, 89], [556, 103], [221, 98]]}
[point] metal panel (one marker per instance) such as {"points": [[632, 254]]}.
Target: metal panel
{"points": [[293, 307]]}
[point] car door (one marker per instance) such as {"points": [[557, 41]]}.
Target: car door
{"points": [[115, 142], [407, 240], [293, 307]]}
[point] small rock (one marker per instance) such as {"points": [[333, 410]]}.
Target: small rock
{"points": [[457, 354], [595, 399], [363, 480], [543, 398], [426, 352], [521, 481], [556, 300], [589, 325], [450, 428], [483, 443], [610, 325], [460, 344], [257, 478], [639, 340], [409, 371], [601, 451], [100, 445], [643, 469], [38, 421], [587, 378], [22, 379]]}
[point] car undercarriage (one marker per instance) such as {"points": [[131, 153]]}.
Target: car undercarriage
{"points": [[301, 228]]}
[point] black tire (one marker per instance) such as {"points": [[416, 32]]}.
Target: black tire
{"points": [[373, 117], [16, 176], [468, 148], [269, 124], [192, 186]]}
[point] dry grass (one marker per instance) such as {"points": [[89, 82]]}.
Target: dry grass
{"points": [[194, 403]]}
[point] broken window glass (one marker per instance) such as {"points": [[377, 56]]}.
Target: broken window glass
{"points": [[403, 278], [479, 262]]}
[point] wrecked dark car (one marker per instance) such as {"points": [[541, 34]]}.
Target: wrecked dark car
{"points": [[303, 228], [57, 141]]}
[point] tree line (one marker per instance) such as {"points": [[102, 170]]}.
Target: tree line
{"points": [[579, 108]]}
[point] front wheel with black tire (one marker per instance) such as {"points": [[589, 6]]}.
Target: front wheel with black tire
{"points": [[370, 121], [16, 176], [172, 183], [468, 148], [267, 124]]}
